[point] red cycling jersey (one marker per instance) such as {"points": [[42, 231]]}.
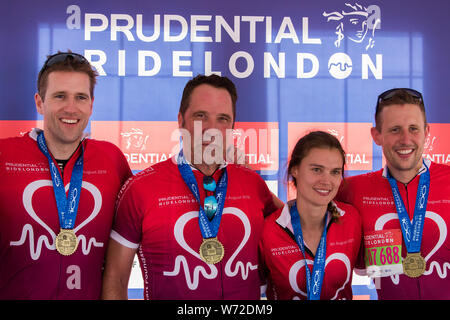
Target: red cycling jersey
{"points": [[30, 266], [371, 194], [284, 263], [158, 215]]}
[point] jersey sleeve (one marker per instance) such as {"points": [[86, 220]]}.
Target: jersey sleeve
{"points": [[123, 168], [360, 267], [127, 227], [345, 192], [262, 269]]}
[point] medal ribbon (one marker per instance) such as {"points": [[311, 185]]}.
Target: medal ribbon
{"points": [[209, 229], [313, 281], [67, 206], [412, 232]]}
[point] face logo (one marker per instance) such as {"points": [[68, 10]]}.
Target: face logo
{"points": [[336, 133], [356, 23], [301, 264], [135, 139], [210, 272], [27, 230], [238, 139], [236, 151], [429, 141], [437, 219]]}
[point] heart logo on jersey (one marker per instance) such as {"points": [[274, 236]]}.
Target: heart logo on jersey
{"points": [[180, 260], [296, 267], [28, 229], [442, 272]]}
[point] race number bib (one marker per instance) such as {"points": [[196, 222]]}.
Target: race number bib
{"points": [[383, 252]]}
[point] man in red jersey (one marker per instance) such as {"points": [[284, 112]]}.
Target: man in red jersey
{"points": [[194, 220], [58, 192], [405, 207]]}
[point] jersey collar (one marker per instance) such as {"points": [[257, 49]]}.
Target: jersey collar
{"points": [[223, 165], [426, 162], [284, 220], [33, 134]]}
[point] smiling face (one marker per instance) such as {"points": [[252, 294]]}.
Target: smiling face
{"points": [[209, 108], [318, 176], [402, 136], [66, 108]]}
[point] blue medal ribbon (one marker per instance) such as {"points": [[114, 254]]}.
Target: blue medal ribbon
{"points": [[314, 281], [67, 206], [412, 232], [208, 228]]}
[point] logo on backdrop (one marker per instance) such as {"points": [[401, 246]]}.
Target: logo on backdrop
{"points": [[336, 133], [435, 147], [353, 23], [354, 137], [356, 23], [135, 139], [429, 141]]}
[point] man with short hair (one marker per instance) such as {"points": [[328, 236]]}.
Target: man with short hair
{"points": [[405, 207], [58, 192], [194, 220]]}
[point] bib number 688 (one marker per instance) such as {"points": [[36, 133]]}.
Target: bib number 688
{"points": [[381, 256]]}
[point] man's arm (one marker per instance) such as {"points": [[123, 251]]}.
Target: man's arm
{"points": [[277, 201], [345, 192], [119, 260]]}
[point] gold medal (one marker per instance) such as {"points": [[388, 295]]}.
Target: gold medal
{"points": [[66, 242], [211, 251], [414, 265]]}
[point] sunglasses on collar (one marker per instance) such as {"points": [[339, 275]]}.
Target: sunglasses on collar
{"points": [[210, 204]]}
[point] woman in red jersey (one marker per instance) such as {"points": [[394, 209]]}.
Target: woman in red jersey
{"points": [[309, 247]]}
